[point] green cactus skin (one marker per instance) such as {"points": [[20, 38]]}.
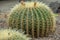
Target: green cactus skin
{"points": [[8, 34], [36, 20]]}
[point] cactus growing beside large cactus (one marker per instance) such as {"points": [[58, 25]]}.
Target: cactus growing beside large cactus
{"points": [[35, 18], [8, 34]]}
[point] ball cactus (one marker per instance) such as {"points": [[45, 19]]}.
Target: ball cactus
{"points": [[35, 18], [8, 34]]}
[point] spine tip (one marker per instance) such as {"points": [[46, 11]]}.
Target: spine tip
{"points": [[34, 4], [22, 2]]}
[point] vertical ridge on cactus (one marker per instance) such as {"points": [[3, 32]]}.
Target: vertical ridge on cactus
{"points": [[36, 20]]}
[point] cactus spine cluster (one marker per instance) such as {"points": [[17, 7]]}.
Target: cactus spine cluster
{"points": [[8, 34], [35, 18]]}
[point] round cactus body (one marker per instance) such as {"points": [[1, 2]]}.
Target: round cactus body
{"points": [[8, 34], [35, 18]]}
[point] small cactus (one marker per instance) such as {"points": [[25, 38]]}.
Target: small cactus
{"points": [[8, 34], [35, 18]]}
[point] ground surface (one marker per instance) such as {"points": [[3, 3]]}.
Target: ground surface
{"points": [[5, 8]]}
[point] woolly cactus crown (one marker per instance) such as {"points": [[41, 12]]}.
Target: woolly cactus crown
{"points": [[30, 5]]}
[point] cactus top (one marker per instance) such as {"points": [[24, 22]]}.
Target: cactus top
{"points": [[30, 5], [8, 34]]}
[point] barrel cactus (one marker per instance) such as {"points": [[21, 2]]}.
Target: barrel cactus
{"points": [[8, 34], [35, 18]]}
